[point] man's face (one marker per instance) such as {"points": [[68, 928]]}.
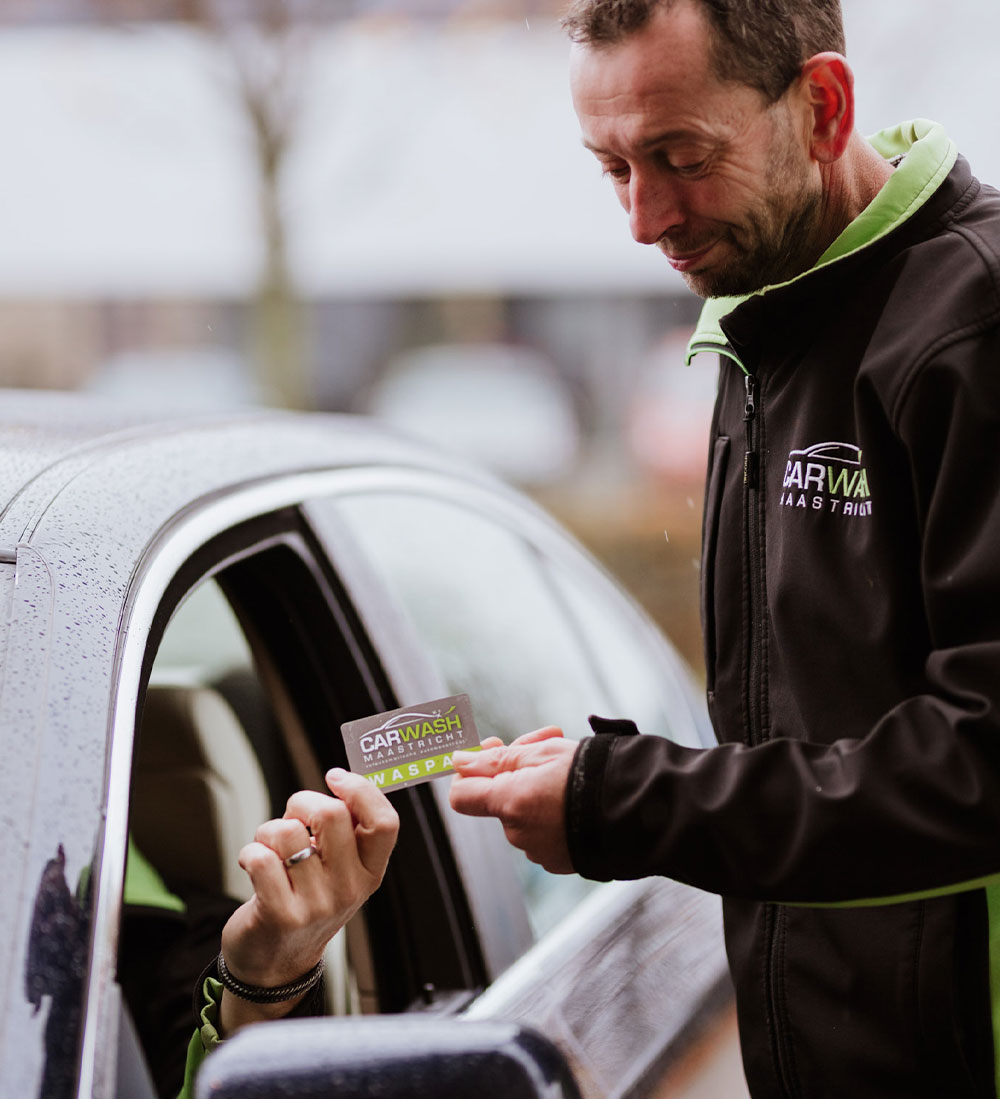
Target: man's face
{"points": [[721, 183]]}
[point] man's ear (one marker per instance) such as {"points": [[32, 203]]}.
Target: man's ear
{"points": [[827, 84]]}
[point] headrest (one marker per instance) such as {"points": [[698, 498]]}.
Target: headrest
{"points": [[198, 791]]}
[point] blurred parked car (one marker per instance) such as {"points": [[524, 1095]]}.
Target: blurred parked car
{"points": [[500, 405], [190, 610], [178, 381]]}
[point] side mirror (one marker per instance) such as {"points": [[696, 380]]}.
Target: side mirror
{"points": [[391, 1056]]}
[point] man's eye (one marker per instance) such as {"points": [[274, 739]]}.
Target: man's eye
{"points": [[618, 172], [693, 169]]}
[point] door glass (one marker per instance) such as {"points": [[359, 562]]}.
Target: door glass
{"points": [[485, 610], [644, 679], [203, 640], [500, 625]]}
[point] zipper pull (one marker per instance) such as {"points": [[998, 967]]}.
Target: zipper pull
{"points": [[749, 411], [751, 406]]}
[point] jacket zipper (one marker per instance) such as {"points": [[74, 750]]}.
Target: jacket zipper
{"points": [[751, 474], [754, 703]]}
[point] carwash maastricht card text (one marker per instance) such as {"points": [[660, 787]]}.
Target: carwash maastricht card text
{"points": [[412, 744]]}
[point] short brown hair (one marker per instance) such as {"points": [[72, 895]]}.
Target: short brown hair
{"points": [[761, 43]]}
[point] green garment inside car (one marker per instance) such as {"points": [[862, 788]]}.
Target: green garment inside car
{"points": [[144, 887]]}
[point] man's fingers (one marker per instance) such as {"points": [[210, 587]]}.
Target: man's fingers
{"points": [[548, 732], [473, 796], [376, 822], [486, 762], [524, 787], [517, 798], [527, 751], [494, 756]]}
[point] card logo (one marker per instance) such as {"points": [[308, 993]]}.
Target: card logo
{"points": [[412, 744], [828, 477]]}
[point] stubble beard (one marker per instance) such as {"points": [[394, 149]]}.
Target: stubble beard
{"points": [[777, 239], [775, 251]]}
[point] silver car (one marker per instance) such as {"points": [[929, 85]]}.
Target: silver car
{"points": [[190, 610]]}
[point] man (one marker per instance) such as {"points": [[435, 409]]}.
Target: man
{"points": [[851, 596]]}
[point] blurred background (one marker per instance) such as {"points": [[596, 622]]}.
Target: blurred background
{"points": [[382, 206]]}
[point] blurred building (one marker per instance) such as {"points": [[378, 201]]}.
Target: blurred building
{"points": [[433, 191], [432, 188]]}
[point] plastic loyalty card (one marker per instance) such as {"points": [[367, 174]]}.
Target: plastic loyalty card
{"points": [[410, 745]]}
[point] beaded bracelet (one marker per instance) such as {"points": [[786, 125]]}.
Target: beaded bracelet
{"points": [[257, 994]]}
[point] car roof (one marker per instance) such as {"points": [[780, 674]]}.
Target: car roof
{"points": [[48, 439]]}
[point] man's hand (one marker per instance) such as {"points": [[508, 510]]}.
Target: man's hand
{"points": [[524, 786], [282, 931]]}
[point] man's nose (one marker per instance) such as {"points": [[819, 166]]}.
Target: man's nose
{"points": [[653, 208]]}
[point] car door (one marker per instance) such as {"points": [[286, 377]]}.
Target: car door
{"points": [[486, 596]]}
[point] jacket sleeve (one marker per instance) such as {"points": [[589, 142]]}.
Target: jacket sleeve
{"points": [[909, 807], [207, 1001]]}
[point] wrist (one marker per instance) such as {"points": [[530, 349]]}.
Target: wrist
{"points": [[272, 992], [244, 1003], [235, 1012]]}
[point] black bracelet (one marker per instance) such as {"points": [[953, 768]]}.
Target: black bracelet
{"points": [[257, 994]]}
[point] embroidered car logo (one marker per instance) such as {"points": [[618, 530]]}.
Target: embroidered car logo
{"points": [[827, 477]]}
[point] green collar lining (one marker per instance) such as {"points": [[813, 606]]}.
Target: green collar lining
{"points": [[929, 156]]}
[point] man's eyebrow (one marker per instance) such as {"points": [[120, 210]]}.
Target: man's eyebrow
{"points": [[668, 136], [652, 142]]}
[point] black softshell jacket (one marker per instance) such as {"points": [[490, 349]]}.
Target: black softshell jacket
{"points": [[851, 607]]}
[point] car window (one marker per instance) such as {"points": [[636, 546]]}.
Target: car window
{"points": [[203, 639], [210, 765], [643, 682], [485, 610], [206, 658], [258, 664], [506, 624]]}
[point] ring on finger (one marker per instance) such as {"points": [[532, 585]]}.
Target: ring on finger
{"points": [[299, 856]]}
